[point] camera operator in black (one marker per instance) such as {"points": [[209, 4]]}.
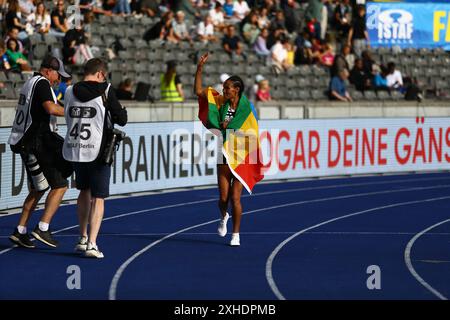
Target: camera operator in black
{"points": [[34, 137], [91, 109]]}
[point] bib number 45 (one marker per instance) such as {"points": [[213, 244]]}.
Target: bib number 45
{"points": [[83, 131]]}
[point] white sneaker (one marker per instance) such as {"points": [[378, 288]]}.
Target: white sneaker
{"points": [[235, 241], [222, 229], [82, 244], [93, 252]]}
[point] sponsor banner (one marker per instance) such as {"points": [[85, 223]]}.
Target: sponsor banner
{"points": [[160, 155], [416, 25]]}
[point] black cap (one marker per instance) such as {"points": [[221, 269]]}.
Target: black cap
{"points": [[54, 63]]}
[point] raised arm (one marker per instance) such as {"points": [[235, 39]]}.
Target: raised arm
{"points": [[199, 91]]}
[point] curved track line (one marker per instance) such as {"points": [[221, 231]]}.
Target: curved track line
{"points": [[289, 190], [215, 199], [119, 272], [409, 263], [269, 263]]}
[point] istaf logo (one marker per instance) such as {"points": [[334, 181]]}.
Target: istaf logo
{"points": [[395, 26], [82, 112]]}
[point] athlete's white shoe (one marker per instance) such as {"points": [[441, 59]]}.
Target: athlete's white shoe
{"points": [[235, 241], [222, 229], [93, 252], [82, 244]]}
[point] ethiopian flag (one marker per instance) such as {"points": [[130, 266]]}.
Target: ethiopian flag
{"points": [[241, 146]]}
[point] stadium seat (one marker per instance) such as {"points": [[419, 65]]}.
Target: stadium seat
{"points": [[305, 70], [302, 82], [8, 91], [356, 95], [304, 95], [370, 95], [3, 77], [14, 76], [317, 94], [396, 95], [383, 95]]}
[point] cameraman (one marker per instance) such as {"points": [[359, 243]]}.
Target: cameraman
{"points": [[91, 108], [34, 137]]}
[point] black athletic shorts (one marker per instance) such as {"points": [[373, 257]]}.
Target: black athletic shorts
{"points": [[48, 153], [93, 176]]}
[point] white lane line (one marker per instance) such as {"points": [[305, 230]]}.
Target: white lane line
{"points": [[126, 214], [269, 262], [287, 191], [409, 263], [263, 233], [119, 272]]}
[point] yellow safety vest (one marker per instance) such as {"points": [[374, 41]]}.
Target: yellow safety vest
{"points": [[169, 93]]}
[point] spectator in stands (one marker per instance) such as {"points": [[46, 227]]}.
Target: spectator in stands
{"points": [[27, 7], [217, 17], [349, 56], [358, 35], [324, 21], [278, 22], [288, 7], [279, 55], [394, 77], [88, 18], [108, 5], [122, 8], [171, 86], [379, 77], [303, 52], [263, 20], [263, 93], [340, 62], [150, 7], [274, 35], [367, 61], [14, 34], [359, 78], [61, 88], [156, 31], [12, 19], [240, 9], [271, 7], [75, 49], [251, 92], [94, 6], [167, 32], [412, 90], [313, 16], [180, 30], [231, 43], [124, 92], [338, 90], [251, 30], [59, 25], [343, 18], [205, 30], [16, 58], [39, 21], [260, 46], [290, 54], [5, 65], [186, 6], [228, 8], [326, 56]]}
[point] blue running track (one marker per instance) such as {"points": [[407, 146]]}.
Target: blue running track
{"points": [[299, 240]]}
